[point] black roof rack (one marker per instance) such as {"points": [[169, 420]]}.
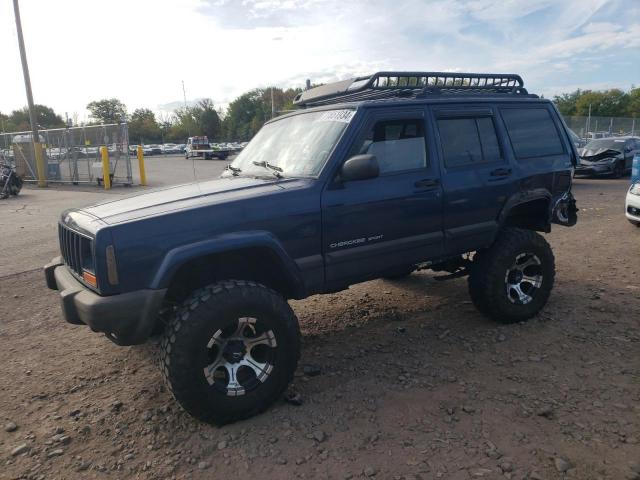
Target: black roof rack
{"points": [[411, 85]]}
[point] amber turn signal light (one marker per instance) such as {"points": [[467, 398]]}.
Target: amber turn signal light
{"points": [[90, 278]]}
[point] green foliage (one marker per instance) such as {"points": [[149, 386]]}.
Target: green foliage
{"points": [[143, 127], [18, 120], [247, 113], [107, 110], [605, 103]]}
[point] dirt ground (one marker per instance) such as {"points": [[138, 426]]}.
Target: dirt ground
{"points": [[403, 380]]}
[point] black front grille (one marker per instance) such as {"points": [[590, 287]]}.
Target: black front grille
{"points": [[73, 247]]}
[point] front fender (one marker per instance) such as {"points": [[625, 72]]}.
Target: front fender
{"points": [[227, 242]]}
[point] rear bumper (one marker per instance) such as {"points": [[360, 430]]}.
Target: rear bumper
{"points": [[127, 319]]}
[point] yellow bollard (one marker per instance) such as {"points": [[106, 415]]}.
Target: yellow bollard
{"points": [[106, 170], [40, 165], [143, 173]]}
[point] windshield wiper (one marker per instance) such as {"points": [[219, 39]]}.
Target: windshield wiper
{"points": [[234, 170], [277, 171]]}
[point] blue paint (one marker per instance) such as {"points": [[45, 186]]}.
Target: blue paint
{"points": [[635, 168], [326, 234]]}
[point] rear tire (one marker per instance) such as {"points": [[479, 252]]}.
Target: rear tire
{"points": [[230, 351], [511, 281]]}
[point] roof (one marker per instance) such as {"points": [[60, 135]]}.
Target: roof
{"points": [[413, 85]]}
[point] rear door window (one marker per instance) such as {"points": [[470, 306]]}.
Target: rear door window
{"points": [[467, 141], [532, 132]]}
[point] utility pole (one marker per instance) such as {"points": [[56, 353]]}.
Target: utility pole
{"points": [[273, 108], [35, 136], [184, 97]]}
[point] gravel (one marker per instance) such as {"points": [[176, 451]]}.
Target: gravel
{"points": [[454, 395]]}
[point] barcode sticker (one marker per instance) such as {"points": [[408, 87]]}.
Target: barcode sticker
{"points": [[344, 116]]}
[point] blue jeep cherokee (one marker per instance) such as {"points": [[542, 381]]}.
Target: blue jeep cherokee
{"points": [[372, 177]]}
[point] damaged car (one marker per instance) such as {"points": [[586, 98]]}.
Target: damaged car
{"points": [[608, 156]]}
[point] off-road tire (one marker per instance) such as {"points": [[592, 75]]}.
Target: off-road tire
{"points": [[487, 279], [183, 349]]}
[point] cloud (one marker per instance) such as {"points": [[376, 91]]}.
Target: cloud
{"points": [[223, 48]]}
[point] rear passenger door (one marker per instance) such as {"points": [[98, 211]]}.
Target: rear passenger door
{"points": [[477, 175]]}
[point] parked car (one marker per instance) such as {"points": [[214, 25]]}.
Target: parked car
{"points": [[156, 149], [365, 181], [632, 204], [608, 156], [170, 148]]}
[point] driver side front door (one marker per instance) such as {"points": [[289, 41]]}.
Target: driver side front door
{"points": [[393, 221]]}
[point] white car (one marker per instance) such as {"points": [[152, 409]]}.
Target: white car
{"points": [[632, 205]]}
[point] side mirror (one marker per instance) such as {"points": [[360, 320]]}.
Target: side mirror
{"points": [[360, 167]]}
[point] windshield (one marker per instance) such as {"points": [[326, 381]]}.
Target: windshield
{"points": [[296, 146], [608, 143]]}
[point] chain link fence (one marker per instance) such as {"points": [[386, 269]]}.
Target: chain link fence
{"points": [[601, 127], [72, 155]]}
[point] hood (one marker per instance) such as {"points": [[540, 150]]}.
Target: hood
{"points": [[599, 154], [182, 197]]}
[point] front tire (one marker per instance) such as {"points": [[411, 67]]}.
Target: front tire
{"points": [[230, 351], [511, 281], [618, 170]]}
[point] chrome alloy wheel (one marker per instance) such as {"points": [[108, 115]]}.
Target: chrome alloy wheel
{"points": [[523, 279], [242, 357]]}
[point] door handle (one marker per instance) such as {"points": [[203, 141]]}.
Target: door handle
{"points": [[500, 172], [426, 182]]}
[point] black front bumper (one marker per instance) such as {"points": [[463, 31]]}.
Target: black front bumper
{"points": [[127, 318], [594, 170]]}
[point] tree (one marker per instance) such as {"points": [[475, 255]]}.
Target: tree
{"points": [[18, 120], [605, 103], [108, 110], [566, 102], [633, 105], [207, 118], [143, 127], [247, 113]]}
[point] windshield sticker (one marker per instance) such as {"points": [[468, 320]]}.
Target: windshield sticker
{"points": [[343, 116]]}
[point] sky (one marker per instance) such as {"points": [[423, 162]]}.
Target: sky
{"points": [[140, 51]]}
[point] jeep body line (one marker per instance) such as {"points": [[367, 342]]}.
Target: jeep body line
{"points": [[372, 178]]}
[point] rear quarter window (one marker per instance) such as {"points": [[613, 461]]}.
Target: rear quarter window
{"points": [[532, 132]]}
